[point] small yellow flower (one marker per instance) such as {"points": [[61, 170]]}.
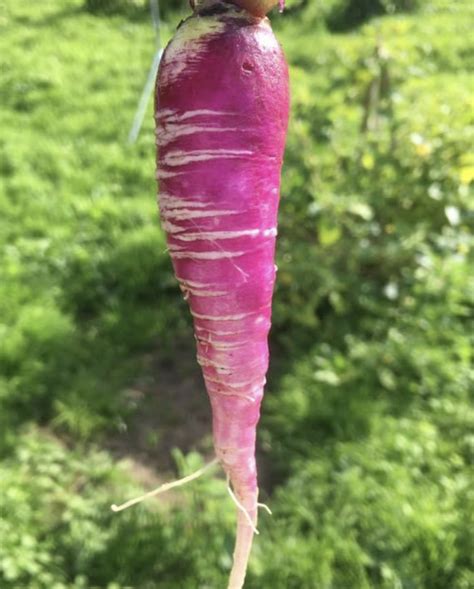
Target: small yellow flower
{"points": [[466, 175], [423, 149], [368, 161]]}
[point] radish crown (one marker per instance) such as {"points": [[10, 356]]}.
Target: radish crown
{"points": [[255, 7], [259, 7]]}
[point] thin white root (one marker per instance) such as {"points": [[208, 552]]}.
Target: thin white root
{"points": [[165, 487], [242, 508], [243, 545], [265, 507]]}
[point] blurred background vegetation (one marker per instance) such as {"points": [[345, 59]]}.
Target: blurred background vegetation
{"points": [[367, 434]]}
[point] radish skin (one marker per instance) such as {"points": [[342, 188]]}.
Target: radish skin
{"points": [[221, 110]]}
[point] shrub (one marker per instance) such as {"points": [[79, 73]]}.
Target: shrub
{"points": [[350, 13]]}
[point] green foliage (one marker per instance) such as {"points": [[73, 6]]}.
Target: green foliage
{"points": [[367, 424], [132, 8], [113, 6], [58, 529], [349, 13], [83, 263], [383, 512]]}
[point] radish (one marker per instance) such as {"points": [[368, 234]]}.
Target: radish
{"points": [[221, 122]]}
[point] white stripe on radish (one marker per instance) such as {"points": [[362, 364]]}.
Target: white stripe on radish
{"points": [[172, 116], [204, 293], [166, 134], [222, 345], [162, 174], [223, 317], [204, 255], [240, 384], [170, 228], [183, 214], [180, 158], [169, 200], [218, 234]]}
